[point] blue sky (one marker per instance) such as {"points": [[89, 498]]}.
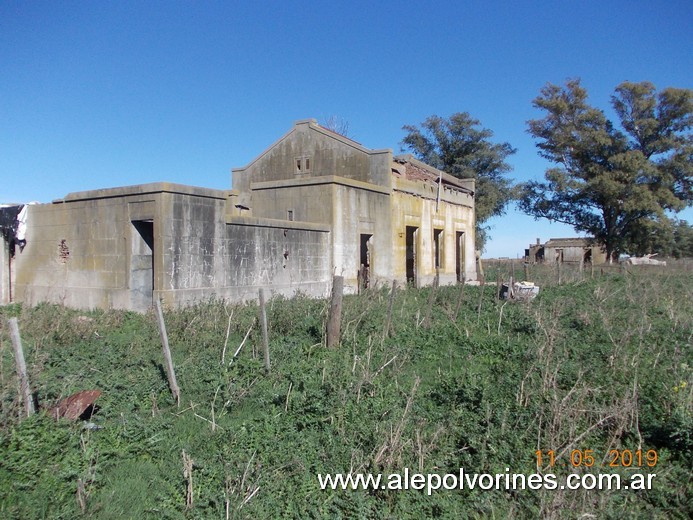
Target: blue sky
{"points": [[102, 94]]}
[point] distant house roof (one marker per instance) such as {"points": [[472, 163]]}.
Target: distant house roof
{"points": [[568, 242], [415, 170]]}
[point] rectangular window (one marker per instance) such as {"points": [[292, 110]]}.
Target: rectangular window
{"points": [[302, 164], [290, 215]]}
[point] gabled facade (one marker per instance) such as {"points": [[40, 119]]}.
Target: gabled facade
{"points": [[312, 205], [392, 217]]}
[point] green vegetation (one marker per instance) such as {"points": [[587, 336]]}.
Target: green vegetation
{"points": [[619, 186], [596, 364], [460, 146]]}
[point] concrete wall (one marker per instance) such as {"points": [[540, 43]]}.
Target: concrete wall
{"points": [[205, 255], [328, 154], [76, 254], [572, 251], [120, 248], [415, 205], [356, 212], [313, 205]]}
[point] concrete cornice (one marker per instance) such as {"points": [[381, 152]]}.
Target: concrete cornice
{"points": [[323, 179], [144, 189], [277, 223]]}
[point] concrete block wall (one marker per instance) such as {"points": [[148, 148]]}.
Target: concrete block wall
{"points": [[205, 255], [75, 255]]}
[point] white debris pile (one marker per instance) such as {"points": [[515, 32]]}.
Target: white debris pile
{"points": [[520, 291], [644, 260]]}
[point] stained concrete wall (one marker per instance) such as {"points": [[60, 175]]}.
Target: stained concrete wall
{"points": [[350, 208], [328, 153], [415, 204], [359, 211], [120, 248], [353, 189], [297, 214], [573, 251], [76, 254], [205, 255]]}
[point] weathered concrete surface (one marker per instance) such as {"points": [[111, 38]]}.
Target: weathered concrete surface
{"points": [[368, 197], [204, 255], [313, 205], [121, 248]]}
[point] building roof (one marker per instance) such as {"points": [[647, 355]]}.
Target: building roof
{"points": [[569, 242]]}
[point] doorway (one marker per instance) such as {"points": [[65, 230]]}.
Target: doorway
{"points": [[364, 274], [411, 260], [142, 264], [459, 256]]}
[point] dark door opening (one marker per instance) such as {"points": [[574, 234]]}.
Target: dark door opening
{"points": [[437, 249], [459, 256], [587, 256], [142, 264], [411, 234], [365, 262]]}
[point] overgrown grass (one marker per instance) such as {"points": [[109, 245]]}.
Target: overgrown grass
{"points": [[597, 363]]}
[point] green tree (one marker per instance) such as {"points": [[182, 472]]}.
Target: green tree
{"points": [[683, 240], [616, 185], [461, 147]]}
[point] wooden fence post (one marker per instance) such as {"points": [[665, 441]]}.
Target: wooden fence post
{"points": [[387, 329], [499, 285], [265, 336], [481, 299], [170, 373], [21, 367], [459, 300], [431, 299], [558, 268], [334, 320]]}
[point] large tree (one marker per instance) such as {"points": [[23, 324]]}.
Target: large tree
{"points": [[616, 184], [461, 147]]}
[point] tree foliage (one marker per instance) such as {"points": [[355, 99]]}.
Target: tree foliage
{"points": [[459, 146], [617, 185]]}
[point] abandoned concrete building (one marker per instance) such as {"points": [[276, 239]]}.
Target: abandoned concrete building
{"points": [[312, 205], [565, 250]]}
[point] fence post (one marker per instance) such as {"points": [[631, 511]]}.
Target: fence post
{"points": [[558, 268], [388, 320], [431, 300], [170, 373], [334, 320], [499, 285], [21, 367], [263, 325], [460, 297]]}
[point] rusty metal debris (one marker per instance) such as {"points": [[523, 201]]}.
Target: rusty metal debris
{"points": [[74, 406]]}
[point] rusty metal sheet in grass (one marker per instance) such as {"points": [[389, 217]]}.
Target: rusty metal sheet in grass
{"points": [[74, 406]]}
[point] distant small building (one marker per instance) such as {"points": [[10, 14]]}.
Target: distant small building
{"points": [[565, 250]]}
